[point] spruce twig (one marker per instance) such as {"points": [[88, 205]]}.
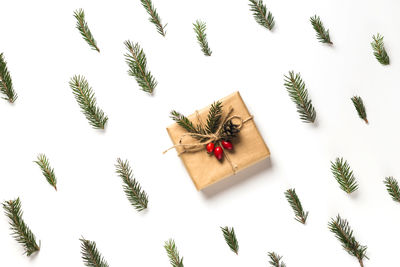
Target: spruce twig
{"points": [[295, 203], [90, 254], [344, 175], [20, 231], [154, 17], [85, 97], [6, 85], [393, 188], [83, 28], [200, 30], [379, 50], [214, 117], [340, 227], [173, 254], [47, 171], [137, 62], [298, 93], [275, 260], [230, 238], [133, 191], [261, 14], [359, 105], [322, 34]]}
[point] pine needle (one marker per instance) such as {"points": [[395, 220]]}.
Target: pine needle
{"points": [[344, 175], [393, 188], [85, 97], [379, 50], [261, 14], [230, 238], [295, 203], [340, 227], [214, 117], [200, 30], [359, 105], [322, 34], [6, 85], [275, 260], [298, 93], [154, 17], [90, 254], [83, 28], [137, 62], [133, 191], [47, 171], [173, 254], [20, 231]]}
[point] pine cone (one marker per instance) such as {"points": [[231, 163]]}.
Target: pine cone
{"points": [[230, 130]]}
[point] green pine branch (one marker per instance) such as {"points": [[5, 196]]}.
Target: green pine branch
{"points": [[137, 62], [379, 50], [200, 30], [261, 14], [298, 93], [393, 188], [48, 172], [230, 238], [154, 17], [359, 105], [133, 191], [6, 85], [344, 175], [295, 203], [83, 28], [91, 255], [340, 227], [173, 254], [20, 231], [322, 34], [214, 117], [275, 260]]}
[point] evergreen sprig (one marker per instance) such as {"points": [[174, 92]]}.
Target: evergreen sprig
{"points": [[393, 188], [133, 191], [322, 34], [154, 17], [298, 93], [379, 49], [6, 85], [230, 238], [85, 97], [344, 175], [341, 228], [275, 260], [91, 255], [214, 117], [359, 105], [295, 203], [47, 171], [200, 30], [173, 254], [137, 62], [261, 14], [20, 231], [83, 28]]}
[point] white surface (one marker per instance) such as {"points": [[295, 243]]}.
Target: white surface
{"points": [[44, 50]]}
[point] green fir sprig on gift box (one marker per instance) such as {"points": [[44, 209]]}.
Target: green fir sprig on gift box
{"points": [[47, 171], [133, 191], [200, 28], [392, 186], [20, 231], [341, 228], [261, 14], [322, 34], [344, 175], [91, 255], [173, 254], [230, 238], [379, 49], [214, 117], [275, 260], [294, 201], [359, 105], [83, 28], [6, 85], [154, 17]]}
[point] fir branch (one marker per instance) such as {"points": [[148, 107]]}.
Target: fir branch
{"points": [[214, 117], [83, 28], [154, 17], [379, 50], [200, 30], [275, 260], [6, 85], [295, 203], [183, 121], [298, 93], [344, 175], [230, 238], [359, 105], [137, 62], [261, 14], [393, 188], [322, 34], [173, 254], [340, 227], [90, 254], [20, 231], [47, 171], [133, 191]]}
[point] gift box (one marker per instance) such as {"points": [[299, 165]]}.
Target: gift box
{"points": [[204, 168]]}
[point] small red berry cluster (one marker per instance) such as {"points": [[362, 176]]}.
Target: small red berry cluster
{"points": [[218, 151]]}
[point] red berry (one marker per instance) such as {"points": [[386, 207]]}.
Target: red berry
{"points": [[218, 152], [210, 147], [227, 145]]}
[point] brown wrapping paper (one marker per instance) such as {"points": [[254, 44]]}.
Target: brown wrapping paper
{"points": [[249, 147]]}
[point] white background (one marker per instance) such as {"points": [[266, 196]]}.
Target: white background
{"points": [[44, 50]]}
